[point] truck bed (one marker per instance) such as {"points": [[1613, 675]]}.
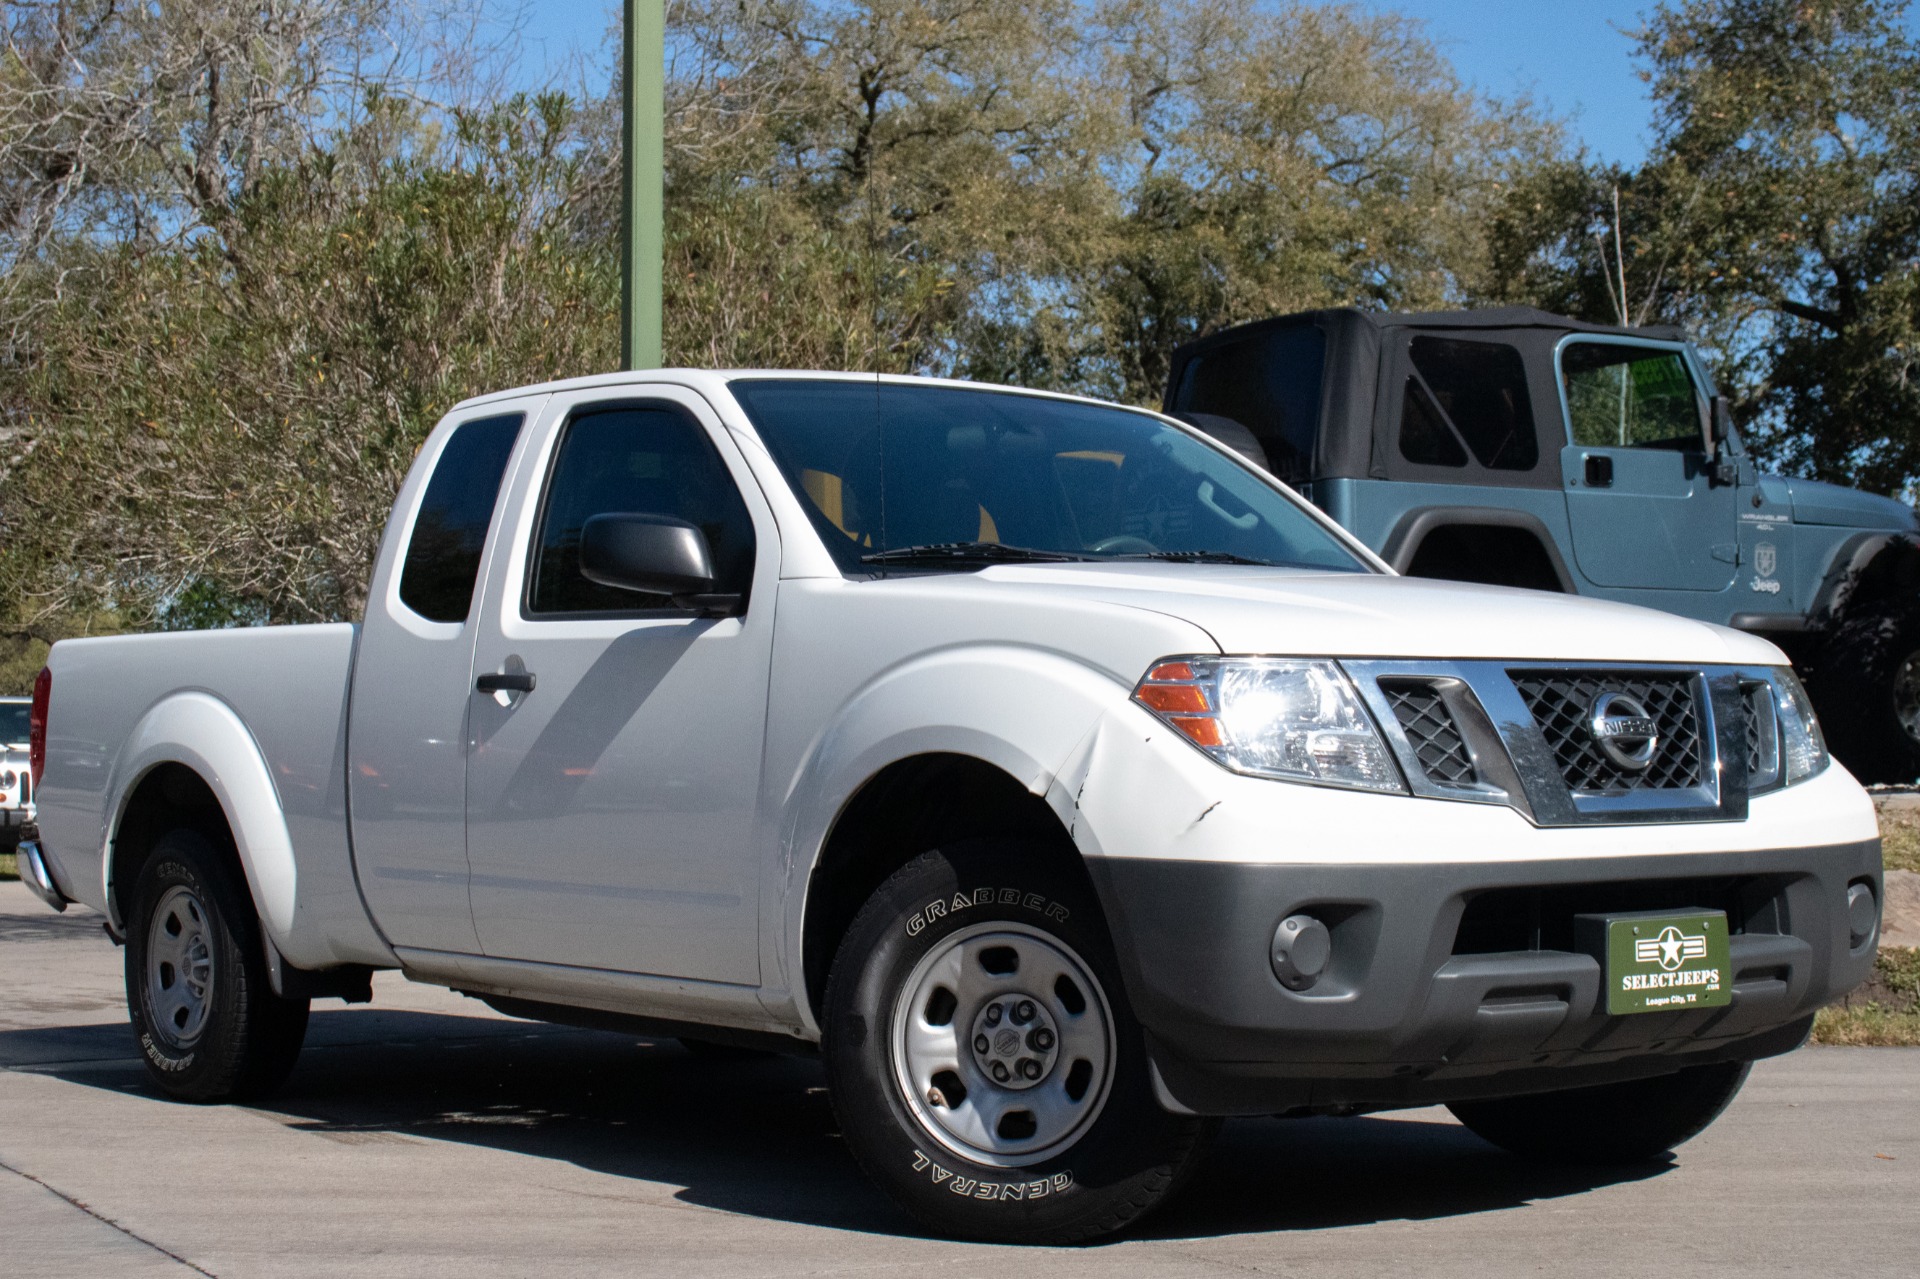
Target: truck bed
{"points": [[288, 685]]}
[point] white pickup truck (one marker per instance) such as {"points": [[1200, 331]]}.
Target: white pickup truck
{"points": [[1063, 779]]}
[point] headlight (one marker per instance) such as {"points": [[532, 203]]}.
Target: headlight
{"points": [[1801, 741], [1294, 719]]}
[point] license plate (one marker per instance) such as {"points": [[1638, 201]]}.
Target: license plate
{"points": [[1662, 963]]}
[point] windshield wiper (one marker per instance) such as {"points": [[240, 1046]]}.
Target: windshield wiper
{"points": [[967, 553], [1198, 557]]}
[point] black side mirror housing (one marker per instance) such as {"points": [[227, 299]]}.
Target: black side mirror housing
{"points": [[1719, 431], [652, 555]]}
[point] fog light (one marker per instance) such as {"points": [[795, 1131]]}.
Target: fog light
{"points": [[1301, 948], [1862, 912]]}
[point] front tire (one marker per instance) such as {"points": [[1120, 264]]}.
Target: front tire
{"points": [[983, 1062], [1624, 1123], [1867, 691], [209, 1025]]}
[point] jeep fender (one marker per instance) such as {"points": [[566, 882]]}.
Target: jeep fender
{"points": [[1023, 711], [1866, 569], [1413, 529], [203, 733]]}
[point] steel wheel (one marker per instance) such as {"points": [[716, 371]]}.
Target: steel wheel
{"points": [[179, 967], [1003, 1044]]}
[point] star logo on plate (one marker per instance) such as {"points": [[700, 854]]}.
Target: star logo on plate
{"points": [[1670, 949]]}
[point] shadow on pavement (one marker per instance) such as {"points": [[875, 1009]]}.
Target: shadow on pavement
{"points": [[758, 1136]]}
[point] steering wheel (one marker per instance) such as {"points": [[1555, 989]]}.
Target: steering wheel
{"points": [[1123, 544]]}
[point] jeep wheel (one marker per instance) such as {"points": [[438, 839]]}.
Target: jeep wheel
{"points": [[1623, 1123], [1867, 691], [209, 1025], [984, 1066]]}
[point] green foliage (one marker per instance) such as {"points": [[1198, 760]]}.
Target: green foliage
{"points": [[1778, 216], [226, 344]]}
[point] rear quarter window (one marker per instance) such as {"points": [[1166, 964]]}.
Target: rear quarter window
{"points": [[443, 554]]}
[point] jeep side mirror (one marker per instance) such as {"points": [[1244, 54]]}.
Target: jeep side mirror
{"points": [[652, 555], [1719, 431]]}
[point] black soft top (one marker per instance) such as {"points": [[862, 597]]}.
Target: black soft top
{"points": [[1351, 439]]}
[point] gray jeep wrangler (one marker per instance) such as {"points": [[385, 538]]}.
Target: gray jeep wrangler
{"points": [[1520, 448]]}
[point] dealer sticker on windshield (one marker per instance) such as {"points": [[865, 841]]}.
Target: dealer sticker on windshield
{"points": [[1665, 963]]}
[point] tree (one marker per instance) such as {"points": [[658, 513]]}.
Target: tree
{"points": [[1778, 215], [247, 264]]}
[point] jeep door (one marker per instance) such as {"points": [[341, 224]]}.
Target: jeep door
{"points": [[611, 805], [1644, 508]]}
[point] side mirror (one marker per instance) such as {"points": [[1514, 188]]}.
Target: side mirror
{"points": [[1719, 431], [651, 555]]}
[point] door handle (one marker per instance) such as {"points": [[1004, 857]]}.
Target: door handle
{"points": [[1599, 471], [504, 682]]}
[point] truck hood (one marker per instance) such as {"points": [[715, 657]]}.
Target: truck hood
{"points": [[1815, 502], [1308, 612]]}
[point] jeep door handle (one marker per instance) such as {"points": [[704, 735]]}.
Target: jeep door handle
{"points": [[502, 682]]}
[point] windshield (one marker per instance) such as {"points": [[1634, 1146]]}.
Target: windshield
{"points": [[987, 475], [13, 723]]}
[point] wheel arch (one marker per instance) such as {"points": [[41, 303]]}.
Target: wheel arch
{"points": [[967, 742], [1868, 569], [914, 804], [1424, 529], [191, 761]]}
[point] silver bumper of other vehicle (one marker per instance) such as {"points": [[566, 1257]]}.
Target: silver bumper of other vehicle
{"points": [[35, 875]]}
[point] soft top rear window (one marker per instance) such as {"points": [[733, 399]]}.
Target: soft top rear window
{"points": [[1268, 382]]}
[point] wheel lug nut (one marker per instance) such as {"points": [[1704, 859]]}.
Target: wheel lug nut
{"points": [[1029, 1068], [1023, 1012], [1000, 1074], [981, 1044], [1040, 1039], [994, 1013]]}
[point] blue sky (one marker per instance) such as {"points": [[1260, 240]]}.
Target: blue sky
{"points": [[1569, 53]]}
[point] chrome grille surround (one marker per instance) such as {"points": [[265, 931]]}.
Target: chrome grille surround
{"points": [[1529, 753]]}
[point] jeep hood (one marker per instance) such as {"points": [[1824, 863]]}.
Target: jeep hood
{"points": [[1316, 613], [1815, 502]]}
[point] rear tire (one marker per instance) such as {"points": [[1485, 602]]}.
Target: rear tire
{"points": [[1623, 1123], [209, 1025], [1867, 691], [983, 1062]]}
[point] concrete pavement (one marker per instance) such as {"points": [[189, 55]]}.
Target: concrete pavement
{"points": [[426, 1135]]}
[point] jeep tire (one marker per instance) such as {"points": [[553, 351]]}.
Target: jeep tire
{"points": [[983, 1063], [209, 1026], [1625, 1123], [1867, 691]]}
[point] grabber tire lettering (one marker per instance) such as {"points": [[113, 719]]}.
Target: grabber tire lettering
{"points": [[984, 1064]]}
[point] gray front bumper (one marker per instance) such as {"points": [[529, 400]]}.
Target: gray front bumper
{"points": [[1458, 980]]}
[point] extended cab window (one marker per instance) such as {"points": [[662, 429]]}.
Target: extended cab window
{"points": [[639, 460], [1472, 394], [443, 555], [1630, 397]]}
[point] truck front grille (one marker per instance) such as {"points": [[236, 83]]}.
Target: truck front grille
{"points": [[1562, 706], [1430, 730]]}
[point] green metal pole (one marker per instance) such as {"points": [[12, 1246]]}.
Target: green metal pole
{"points": [[643, 177]]}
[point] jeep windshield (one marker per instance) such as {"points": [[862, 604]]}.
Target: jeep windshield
{"points": [[929, 477]]}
